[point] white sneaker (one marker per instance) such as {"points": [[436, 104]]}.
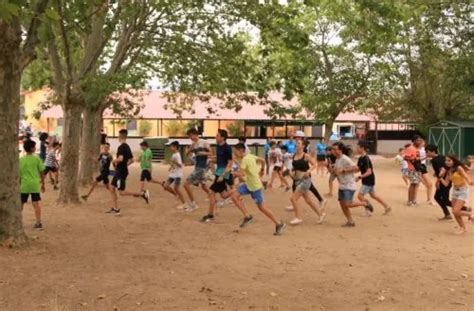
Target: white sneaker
{"points": [[191, 207], [181, 207], [220, 204], [290, 208], [296, 222], [322, 218]]}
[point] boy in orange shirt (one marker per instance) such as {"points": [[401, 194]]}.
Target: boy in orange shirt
{"points": [[413, 174]]}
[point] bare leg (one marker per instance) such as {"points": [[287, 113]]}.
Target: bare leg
{"points": [[283, 180], [346, 211], [331, 187], [179, 194], [205, 189], [113, 194], [374, 196], [458, 213], [235, 197], [405, 180], [94, 184], [37, 208], [169, 189], [189, 191], [268, 212], [429, 186], [125, 193], [294, 201], [311, 204], [142, 186], [212, 203]]}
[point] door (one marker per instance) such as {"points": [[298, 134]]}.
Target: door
{"points": [[448, 139]]}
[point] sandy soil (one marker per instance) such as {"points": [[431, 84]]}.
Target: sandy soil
{"points": [[158, 258]]}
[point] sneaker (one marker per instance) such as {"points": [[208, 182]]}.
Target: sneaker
{"points": [[146, 196], [84, 197], [296, 221], [246, 221], [113, 211], [369, 208], [38, 226], [322, 218], [447, 217], [279, 229], [348, 225], [207, 219], [191, 207], [290, 208]]}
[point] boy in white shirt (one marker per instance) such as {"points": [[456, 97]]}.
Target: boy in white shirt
{"points": [[400, 158], [175, 174]]}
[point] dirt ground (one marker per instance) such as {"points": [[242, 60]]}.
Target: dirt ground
{"points": [[158, 258]]}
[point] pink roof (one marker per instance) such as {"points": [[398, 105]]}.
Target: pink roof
{"points": [[156, 106]]}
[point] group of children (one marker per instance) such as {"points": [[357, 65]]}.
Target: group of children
{"points": [[229, 165]]}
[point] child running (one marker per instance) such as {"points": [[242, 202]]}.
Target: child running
{"points": [[223, 179], [32, 180], [321, 155], [175, 175], [302, 177], [121, 163], [146, 166], [344, 168], [105, 159], [367, 176], [331, 161], [202, 151], [413, 175], [52, 164], [400, 158], [250, 173], [457, 175], [276, 162]]}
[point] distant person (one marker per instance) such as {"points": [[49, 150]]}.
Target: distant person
{"points": [[243, 140], [276, 162], [103, 137], [250, 171], [146, 166], [43, 145], [266, 150], [291, 145], [32, 180], [400, 158], [367, 177], [321, 155], [172, 185], [457, 175], [414, 176], [331, 161], [202, 151], [419, 144], [122, 161], [52, 164], [105, 159], [344, 168]]}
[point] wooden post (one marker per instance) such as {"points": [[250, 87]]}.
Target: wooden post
{"points": [[376, 136]]}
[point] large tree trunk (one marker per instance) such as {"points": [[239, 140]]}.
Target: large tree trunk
{"points": [[90, 144], [328, 128], [68, 174], [11, 228]]}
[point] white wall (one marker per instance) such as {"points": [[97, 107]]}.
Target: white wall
{"points": [[390, 147]]}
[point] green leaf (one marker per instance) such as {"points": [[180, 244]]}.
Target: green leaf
{"points": [[52, 14]]}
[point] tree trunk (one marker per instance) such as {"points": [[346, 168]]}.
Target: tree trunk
{"points": [[11, 228], [328, 128], [90, 144], [69, 167]]}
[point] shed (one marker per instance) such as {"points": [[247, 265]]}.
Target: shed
{"points": [[453, 137]]}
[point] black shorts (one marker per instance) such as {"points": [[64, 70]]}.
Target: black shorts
{"points": [[321, 157], [35, 197], [104, 178], [221, 186], [48, 169], [174, 181], [146, 175], [119, 182], [423, 169]]}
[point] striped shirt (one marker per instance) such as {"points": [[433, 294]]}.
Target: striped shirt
{"points": [[51, 160]]}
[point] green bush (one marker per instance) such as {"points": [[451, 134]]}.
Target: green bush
{"points": [[144, 128]]}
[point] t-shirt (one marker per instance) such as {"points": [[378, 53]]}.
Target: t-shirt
{"points": [[104, 162], [321, 149], [275, 157], [30, 174], [410, 157], [346, 180], [438, 163], [251, 168], [51, 160], [287, 160], [291, 146], [200, 161], [43, 147], [266, 149], [422, 154], [364, 163], [176, 171], [224, 155], [145, 159], [125, 151]]}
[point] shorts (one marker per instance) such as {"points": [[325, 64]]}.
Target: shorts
{"points": [[35, 197], [48, 169], [119, 182], [145, 175], [461, 194], [332, 177], [104, 177], [404, 171], [256, 195], [198, 176], [321, 157], [423, 169], [345, 195], [414, 177], [221, 186], [364, 189], [174, 181], [303, 185]]}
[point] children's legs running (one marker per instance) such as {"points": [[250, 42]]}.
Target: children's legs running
{"points": [[37, 208], [346, 210], [311, 204], [267, 212], [458, 213], [235, 197], [205, 189], [212, 203], [189, 191], [113, 194], [179, 194], [374, 196], [294, 201], [429, 186], [94, 184]]}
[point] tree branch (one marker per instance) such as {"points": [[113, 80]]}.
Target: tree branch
{"points": [[28, 50]]}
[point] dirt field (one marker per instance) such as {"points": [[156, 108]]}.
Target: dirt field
{"points": [[158, 258]]}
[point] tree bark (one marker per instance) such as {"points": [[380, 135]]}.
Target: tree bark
{"points": [[328, 128], [90, 143], [11, 228], [69, 166]]}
